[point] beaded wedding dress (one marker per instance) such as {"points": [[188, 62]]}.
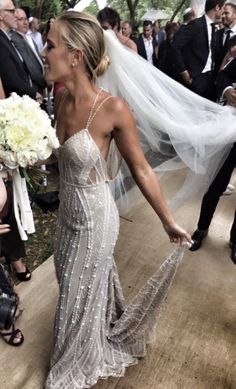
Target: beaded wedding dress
{"points": [[95, 335]]}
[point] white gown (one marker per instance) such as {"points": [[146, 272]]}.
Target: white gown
{"points": [[95, 336]]}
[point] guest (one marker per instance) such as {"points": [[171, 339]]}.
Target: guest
{"points": [[193, 51], [158, 33], [15, 336], [223, 36], [147, 46], [13, 71], [49, 23], [11, 336], [188, 15], [164, 51], [127, 30], [225, 87], [34, 33], [15, 78], [27, 48], [110, 20]]}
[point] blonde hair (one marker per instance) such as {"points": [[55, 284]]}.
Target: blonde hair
{"points": [[82, 31]]}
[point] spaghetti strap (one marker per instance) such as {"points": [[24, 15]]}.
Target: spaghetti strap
{"points": [[94, 111]]}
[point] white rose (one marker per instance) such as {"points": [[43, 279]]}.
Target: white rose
{"points": [[9, 159], [26, 158]]}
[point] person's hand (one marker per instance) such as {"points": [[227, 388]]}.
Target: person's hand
{"points": [[186, 77], [177, 234], [4, 228], [39, 98], [230, 95]]}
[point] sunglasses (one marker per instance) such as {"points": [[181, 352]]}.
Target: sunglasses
{"points": [[12, 10]]}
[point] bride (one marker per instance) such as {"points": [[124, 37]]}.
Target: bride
{"points": [[94, 335]]}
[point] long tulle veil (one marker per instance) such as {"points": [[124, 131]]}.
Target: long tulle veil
{"points": [[177, 128]]}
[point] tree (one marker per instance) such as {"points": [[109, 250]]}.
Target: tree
{"points": [[132, 5], [42, 9], [69, 3], [178, 9], [134, 9]]}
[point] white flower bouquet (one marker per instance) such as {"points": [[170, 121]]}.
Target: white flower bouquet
{"points": [[26, 134]]}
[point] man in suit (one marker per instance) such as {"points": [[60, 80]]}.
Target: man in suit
{"points": [[224, 85], [13, 70], [158, 33], [193, 51], [146, 44], [28, 50], [15, 77], [223, 35]]}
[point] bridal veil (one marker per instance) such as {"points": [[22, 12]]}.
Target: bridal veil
{"points": [[177, 128]]}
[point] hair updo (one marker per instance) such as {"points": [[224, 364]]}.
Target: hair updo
{"points": [[79, 30]]}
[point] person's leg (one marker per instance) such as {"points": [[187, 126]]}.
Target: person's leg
{"points": [[12, 247], [211, 199], [216, 189], [233, 230], [233, 240]]}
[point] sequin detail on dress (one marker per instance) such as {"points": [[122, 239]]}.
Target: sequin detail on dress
{"points": [[95, 336]]}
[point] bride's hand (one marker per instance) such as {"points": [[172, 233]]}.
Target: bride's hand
{"points": [[177, 234]]}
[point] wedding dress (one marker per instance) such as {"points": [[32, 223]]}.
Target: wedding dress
{"points": [[95, 335]]}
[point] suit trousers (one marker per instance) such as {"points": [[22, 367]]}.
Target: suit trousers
{"points": [[204, 85], [216, 189]]}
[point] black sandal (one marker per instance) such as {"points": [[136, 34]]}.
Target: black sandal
{"points": [[23, 276], [13, 336]]}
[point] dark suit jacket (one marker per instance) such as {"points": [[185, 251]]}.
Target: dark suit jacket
{"points": [[221, 49], [190, 47], [32, 62], [226, 77], [142, 50], [13, 72]]}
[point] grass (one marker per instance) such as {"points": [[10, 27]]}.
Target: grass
{"points": [[40, 245]]}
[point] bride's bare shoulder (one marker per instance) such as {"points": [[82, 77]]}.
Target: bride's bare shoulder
{"points": [[116, 104]]}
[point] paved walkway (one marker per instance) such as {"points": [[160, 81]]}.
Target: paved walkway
{"points": [[196, 337]]}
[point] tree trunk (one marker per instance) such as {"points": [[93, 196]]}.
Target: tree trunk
{"points": [[132, 5], [177, 9]]}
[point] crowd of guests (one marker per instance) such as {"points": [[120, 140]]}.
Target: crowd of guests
{"points": [[200, 53]]}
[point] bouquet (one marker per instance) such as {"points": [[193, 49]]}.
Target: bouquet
{"points": [[26, 136]]}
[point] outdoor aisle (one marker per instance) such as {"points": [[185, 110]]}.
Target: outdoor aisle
{"points": [[196, 338]]}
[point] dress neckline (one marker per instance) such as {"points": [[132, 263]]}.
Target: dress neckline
{"points": [[77, 133]]}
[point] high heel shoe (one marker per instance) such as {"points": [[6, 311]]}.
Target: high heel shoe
{"points": [[13, 337], [23, 276]]}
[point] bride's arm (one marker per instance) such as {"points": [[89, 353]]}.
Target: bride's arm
{"points": [[126, 138]]}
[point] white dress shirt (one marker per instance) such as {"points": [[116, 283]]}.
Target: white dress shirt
{"points": [[37, 38], [149, 48], [208, 65]]}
